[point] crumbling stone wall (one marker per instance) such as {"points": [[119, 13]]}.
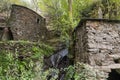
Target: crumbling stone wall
{"points": [[80, 46], [97, 42], [26, 24]]}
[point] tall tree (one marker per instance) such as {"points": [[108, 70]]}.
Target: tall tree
{"points": [[63, 15]]}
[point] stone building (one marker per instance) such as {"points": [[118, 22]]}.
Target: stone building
{"points": [[97, 42], [26, 24]]}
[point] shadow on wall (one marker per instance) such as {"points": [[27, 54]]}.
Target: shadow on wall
{"points": [[5, 34]]}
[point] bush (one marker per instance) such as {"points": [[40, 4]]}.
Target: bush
{"points": [[82, 71], [21, 60]]}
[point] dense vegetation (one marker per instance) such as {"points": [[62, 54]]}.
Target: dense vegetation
{"points": [[26, 63], [22, 60]]}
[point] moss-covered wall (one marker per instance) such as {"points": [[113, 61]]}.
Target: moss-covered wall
{"points": [[25, 47]]}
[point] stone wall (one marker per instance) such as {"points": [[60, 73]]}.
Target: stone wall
{"points": [[26, 24], [80, 46], [97, 42]]}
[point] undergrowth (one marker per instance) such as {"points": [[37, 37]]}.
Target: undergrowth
{"points": [[27, 64]]}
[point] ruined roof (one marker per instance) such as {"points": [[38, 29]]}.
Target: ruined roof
{"points": [[15, 5], [82, 21]]}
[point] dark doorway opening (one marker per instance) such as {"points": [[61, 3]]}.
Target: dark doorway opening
{"points": [[114, 75], [5, 34]]}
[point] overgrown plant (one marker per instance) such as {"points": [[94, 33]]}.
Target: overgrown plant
{"points": [[11, 68], [82, 71], [63, 15], [23, 60]]}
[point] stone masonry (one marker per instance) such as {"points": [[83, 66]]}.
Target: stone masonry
{"points": [[97, 42], [26, 24]]}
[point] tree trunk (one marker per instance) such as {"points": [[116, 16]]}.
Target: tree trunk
{"points": [[35, 5], [70, 11]]}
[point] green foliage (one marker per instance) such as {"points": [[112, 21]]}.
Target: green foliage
{"points": [[110, 9], [57, 13], [11, 68], [43, 75], [80, 7], [86, 72], [70, 71], [6, 4], [46, 51], [82, 71], [22, 60], [26, 47]]}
